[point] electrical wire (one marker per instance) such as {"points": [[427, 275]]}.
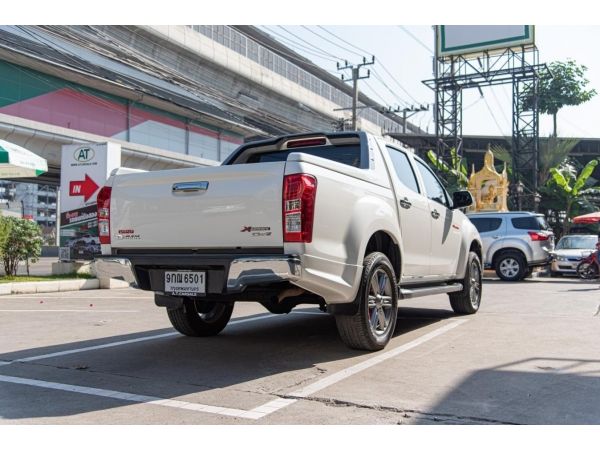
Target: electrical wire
{"points": [[304, 48], [363, 52], [494, 118], [501, 108], [309, 43], [331, 42], [416, 39], [385, 69]]}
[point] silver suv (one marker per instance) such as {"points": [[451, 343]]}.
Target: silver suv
{"points": [[513, 242]]}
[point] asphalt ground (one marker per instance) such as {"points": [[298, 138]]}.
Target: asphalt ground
{"points": [[531, 355]]}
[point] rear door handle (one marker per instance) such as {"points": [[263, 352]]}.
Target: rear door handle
{"points": [[405, 203], [190, 186], [435, 214]]}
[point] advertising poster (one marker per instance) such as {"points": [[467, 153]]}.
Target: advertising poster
{"points": [[84, 170]]}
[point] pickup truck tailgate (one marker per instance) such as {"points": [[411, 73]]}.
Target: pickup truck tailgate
{"points": [[216, 207]]}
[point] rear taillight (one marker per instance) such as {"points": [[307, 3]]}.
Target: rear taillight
{"points": [[103, 205], [535, 236], [299, 193]]}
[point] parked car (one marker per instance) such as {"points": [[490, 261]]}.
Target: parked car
{"points": [[569, 252], [513, 242], [344, 220]]}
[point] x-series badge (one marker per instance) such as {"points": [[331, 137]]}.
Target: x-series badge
{"points": [[256, 231]]}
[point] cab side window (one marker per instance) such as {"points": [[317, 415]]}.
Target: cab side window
{"points": [[434, 188], [403, 169]]}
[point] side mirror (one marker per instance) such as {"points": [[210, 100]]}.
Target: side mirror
{"points": [[461, 199]]}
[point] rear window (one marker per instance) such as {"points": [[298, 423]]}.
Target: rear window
{"points": [[486, 224], [530, 223], [345, 154]]}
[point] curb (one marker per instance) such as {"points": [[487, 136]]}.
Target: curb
{"points": [[43, 287]]}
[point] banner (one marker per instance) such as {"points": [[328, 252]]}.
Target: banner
{"points": [[84, 170]]}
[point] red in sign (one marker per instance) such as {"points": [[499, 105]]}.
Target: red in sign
{"points": [[85, 188]]}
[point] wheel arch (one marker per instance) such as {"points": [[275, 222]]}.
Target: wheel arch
{"points": [[382, 241], [504, 250]]}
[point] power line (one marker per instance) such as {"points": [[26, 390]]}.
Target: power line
{"points": [[331, 42], [386, 70], [311, 50], [494, 117], [501, 108], [309, 43], [378, 77], [344, 41], [416, 39]]}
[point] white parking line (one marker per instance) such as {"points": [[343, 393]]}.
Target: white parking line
{"points": [[378, 358], [118, 343], [65, 310], [255, 413]]}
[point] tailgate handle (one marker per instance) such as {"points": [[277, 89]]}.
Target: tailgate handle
{"points": [[190, 186]]}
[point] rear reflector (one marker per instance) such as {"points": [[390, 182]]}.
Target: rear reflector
{"points": [[103, 206], [535, 236], [299, 193], [306, 142]]}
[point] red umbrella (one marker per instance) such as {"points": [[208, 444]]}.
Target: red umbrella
{"points": [[588, 218]]}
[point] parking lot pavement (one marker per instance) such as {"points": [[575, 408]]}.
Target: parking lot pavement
{"points": [[531, 355]]}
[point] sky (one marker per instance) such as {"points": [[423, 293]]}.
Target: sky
{"points": [[399, 33], [404, 58]]}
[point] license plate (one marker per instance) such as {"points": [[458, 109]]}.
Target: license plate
{"points": [[185, 283]]}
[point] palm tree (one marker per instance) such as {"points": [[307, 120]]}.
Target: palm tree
{"points": [[455, 173], [572, 186]]}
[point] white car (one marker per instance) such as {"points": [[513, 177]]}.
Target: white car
{"points": [[569, 252], [344, 220]]}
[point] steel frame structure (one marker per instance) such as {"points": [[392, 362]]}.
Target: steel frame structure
{"points": [[517, 66]]}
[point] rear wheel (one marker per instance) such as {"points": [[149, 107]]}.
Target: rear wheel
{"points": [[511, 266], [372, 327], [200, 318], [468, 300]]}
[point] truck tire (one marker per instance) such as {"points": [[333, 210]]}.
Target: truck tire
{"points": [[372, 327], [198, 318], [468, 300], [511, 266]]}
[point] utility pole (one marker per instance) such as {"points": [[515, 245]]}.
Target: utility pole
{"points": [[412, 109], [355, 77]]}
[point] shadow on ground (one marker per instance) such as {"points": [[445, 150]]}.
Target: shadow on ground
{"points": [[290, 346]]}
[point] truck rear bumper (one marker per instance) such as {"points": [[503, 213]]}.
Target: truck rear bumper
{"points": [[112, 267], [226, 274]]}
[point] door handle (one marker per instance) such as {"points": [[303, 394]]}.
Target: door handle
{"points": [[435, 214], [495, 237], [191, 186], [405, 203]]}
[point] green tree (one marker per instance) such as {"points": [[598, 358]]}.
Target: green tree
{"points": [[23, 243], [565, 85], [573, 187], [552, 153], [455, 173], [4, 229]]}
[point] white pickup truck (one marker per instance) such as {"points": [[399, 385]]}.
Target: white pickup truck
{"points": [[343, 220]]}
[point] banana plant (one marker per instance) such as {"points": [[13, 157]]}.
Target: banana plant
{"points": [[455, 173], [573, 186]]}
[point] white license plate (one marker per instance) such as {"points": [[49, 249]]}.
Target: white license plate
{"points": [[185, 283]]}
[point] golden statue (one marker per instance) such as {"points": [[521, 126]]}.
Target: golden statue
{"points": [[489, 188]]}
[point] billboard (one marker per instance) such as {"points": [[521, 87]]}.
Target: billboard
{"points": [[84, 170], [469, 39]]}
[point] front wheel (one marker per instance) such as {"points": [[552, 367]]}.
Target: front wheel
{"points": [[200, 318], [587, 270], [467, 300], [372, 327]]}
